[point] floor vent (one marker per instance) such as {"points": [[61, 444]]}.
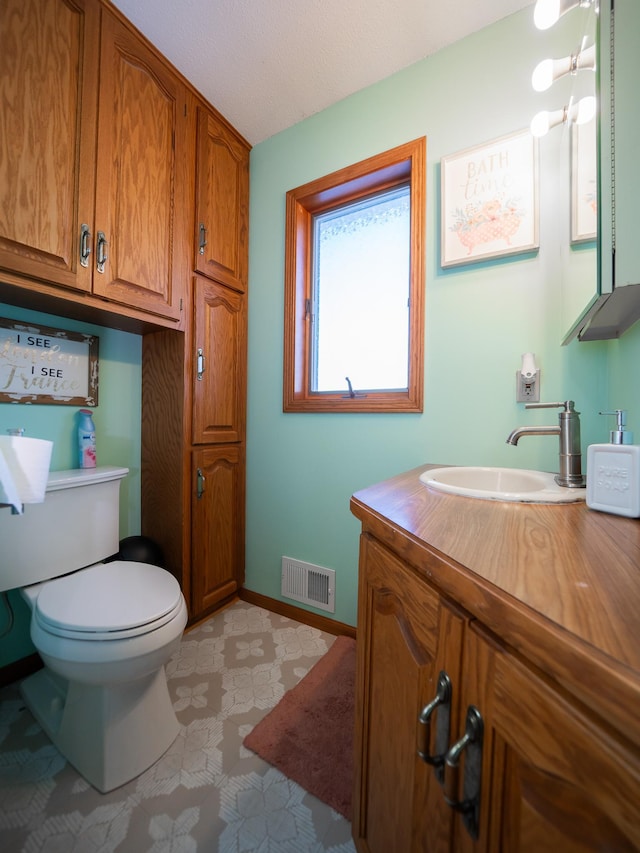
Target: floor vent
{"points": [[310, 584]]}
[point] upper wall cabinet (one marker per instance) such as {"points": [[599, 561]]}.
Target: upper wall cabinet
{"points": [[48, 91], [92, 144], [222, 203], [140, 201]]}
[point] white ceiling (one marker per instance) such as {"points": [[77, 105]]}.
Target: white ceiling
{"points": [[268, 64]]}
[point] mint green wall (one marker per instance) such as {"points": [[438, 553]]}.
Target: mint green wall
{"points": [[117, 420], [302, 468]]}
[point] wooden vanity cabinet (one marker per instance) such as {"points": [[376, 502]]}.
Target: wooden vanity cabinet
{"points": [[552, 775], [93, 189], [406, 636], [222, 192]]}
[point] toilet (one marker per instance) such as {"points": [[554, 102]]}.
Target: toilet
{"points": [[104, 630]]}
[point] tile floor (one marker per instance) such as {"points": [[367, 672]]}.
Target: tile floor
{"points": [[208, 792]]}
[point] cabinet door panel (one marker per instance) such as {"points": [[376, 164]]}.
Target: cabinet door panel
{"points": [[139, 205], [48, 88], [222, 199], [217, 552], [398, 800], [568, 785], [219, 396]]}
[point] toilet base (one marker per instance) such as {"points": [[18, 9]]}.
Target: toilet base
{"points": [[110, 734]]}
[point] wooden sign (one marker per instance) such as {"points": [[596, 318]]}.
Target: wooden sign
{"points": [[43, 365]]}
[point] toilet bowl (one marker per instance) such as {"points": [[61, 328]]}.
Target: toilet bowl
{"points": [[104, 633]]}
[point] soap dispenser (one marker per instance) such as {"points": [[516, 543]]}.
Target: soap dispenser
{"points": [[613, 471]]}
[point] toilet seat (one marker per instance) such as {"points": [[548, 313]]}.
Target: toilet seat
{"points": [[108, 601]]}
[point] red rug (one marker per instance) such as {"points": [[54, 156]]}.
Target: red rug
{"points": [[309, 734]]}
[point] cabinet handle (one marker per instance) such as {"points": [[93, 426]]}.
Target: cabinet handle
{"points": [[101, 251], [85, 245], [441, 700], [471, 741], [203, 238], [201, 482], [200, 360]]}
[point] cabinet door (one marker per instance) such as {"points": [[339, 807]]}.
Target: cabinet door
{"points": [[406, 637], [220, 357], [222, 203], [140, 205], [217, 552], [48, 89], [553, 778]]}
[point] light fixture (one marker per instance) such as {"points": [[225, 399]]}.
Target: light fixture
{"points": [[579, 113], [550, 70], [547, 12]]}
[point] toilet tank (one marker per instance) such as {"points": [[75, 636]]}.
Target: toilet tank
{"points": [[76, 525]]}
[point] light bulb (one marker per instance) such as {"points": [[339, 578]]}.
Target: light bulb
{"points": [[542, 76], [540, 123], [546, 13], [586, 109]]}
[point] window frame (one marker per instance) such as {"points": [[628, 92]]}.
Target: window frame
{"points": [[405, 164]]}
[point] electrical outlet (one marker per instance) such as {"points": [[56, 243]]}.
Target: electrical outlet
{"points": [[527, 388]]}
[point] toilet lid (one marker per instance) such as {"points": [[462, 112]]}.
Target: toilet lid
{"points": [[116, 599]]}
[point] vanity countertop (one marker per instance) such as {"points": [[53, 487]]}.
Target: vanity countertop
{"points": [[558, 583]]}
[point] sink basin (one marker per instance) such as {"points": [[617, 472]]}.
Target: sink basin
{"points": [[501, 484]]}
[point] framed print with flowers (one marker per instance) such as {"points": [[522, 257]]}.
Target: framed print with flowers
{"points": [[489, 200]]}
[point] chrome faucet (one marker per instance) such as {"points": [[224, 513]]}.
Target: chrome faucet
{"points": [[568, 431]]}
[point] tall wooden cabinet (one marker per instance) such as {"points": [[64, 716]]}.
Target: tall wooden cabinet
{"points": [[93, 194], [201, 522], [529, 745], [124, 201]]}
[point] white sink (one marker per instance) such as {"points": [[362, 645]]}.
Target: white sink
{"points": [[501, 484]]}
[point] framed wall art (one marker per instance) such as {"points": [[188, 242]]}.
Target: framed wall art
{"points": [[43, 365], [584, 182], [489, 200]]}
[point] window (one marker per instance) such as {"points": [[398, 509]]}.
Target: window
{"points": [[354, 287]]}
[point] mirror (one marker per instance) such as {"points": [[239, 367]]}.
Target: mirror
{"points": [[577, 161], [611, 307]]}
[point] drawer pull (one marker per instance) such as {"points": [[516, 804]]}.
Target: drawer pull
{"points": [[201, 482], [200, 360], [101, 251], [442, 702], [85, 245], [203, 238], [471, 743]]}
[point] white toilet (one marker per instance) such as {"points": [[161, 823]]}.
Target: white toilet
{"points": [[104, 630]]}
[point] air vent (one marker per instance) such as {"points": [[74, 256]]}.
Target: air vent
{"points": [[309, 584]]}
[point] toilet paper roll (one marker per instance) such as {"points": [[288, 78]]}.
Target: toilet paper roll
{"points": [[24, 470]]}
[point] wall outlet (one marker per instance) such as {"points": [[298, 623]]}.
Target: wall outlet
{"points": [[527, 388]]}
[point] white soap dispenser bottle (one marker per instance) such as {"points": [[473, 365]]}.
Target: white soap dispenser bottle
{"points": [[613, 471]]}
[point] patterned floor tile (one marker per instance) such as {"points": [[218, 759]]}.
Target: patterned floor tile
{"points": [[207, 792]]}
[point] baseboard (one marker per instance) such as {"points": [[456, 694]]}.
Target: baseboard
{"points": [[20, 669], [331, 626]]}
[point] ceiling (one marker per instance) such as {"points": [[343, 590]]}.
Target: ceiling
{"points": [[268, 64]]}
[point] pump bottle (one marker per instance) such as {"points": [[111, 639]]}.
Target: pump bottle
{"points": [[613, 471]]}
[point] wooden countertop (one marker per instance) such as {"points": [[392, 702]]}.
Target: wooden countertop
{"points": [[558, 583]]}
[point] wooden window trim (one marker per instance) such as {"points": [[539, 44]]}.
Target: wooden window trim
{"points": [[404, 164]]}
